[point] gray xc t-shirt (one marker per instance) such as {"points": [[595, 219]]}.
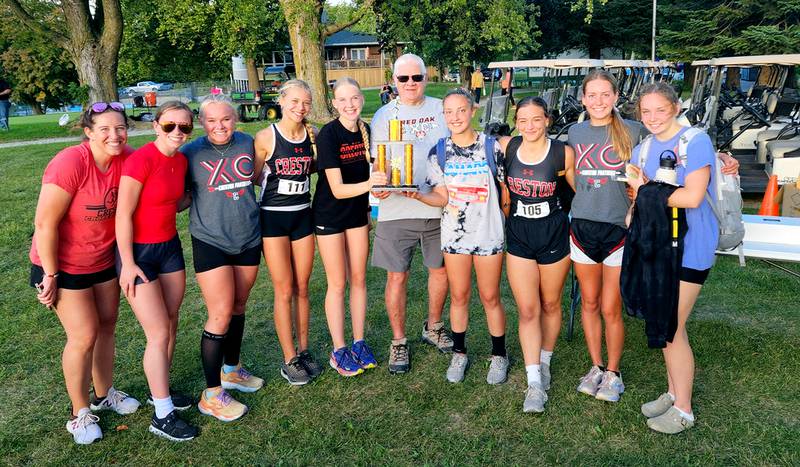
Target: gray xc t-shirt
{"points": [[224, 211]]}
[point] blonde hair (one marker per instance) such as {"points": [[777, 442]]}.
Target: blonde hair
{"points": [[216, 99], [362, 127], [620, 136], [299, 83], [173, 105]]}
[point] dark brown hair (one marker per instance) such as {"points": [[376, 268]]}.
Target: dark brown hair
{"points": [[88, 115], [173, 105]]}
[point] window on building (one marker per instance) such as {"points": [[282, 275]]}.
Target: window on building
{"points": [[358, 54]]}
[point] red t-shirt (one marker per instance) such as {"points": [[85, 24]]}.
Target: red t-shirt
{"points": [[86, 232], [162, 178]]}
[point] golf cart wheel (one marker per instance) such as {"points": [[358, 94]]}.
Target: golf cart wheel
{"points": [[243, 113], [273, 113]]}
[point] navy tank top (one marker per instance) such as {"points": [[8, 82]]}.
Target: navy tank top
{"points": [[533, 186], [287, 184]]}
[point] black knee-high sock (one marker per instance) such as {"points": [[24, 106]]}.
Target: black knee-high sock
{"points": [[211, 354], [460, 342], [233, 340], [499, 345]]}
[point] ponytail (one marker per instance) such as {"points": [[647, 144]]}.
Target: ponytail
{"points": [[620, 137], [365, 137]]}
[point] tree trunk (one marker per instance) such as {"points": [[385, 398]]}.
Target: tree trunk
{"points": [[307, 38], [252, 74], [92, 41]]}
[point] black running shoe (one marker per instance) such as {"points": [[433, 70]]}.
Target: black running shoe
{"points": [[313, 368], [179, 401], [173, 428], [295, 373]]}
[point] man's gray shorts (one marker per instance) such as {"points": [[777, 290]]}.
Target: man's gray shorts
{"points": [[396, 241]]}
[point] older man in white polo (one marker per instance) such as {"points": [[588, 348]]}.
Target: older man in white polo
{"points": [[405, 223]]}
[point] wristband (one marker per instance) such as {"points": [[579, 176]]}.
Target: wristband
{"points": [[54, 275]]}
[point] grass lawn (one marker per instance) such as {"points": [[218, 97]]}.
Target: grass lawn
{"points": [[745, 332]]}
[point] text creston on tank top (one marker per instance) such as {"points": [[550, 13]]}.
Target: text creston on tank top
{"points": [[533, 186], [286, 186]]}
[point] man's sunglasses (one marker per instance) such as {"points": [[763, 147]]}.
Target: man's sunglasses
{"points": [[100, 107], [185, 128], [415, 78]]}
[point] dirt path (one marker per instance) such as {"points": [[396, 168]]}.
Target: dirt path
{"points": [[64, 139]]}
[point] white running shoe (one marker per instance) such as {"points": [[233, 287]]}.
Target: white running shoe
{"points": [[117, 401], [458, 366], [498, 370], [590, 381], [535, 398], [84, 427], [610, 388]]}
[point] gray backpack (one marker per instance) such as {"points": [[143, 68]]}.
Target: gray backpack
{"points": [[727, 202]]}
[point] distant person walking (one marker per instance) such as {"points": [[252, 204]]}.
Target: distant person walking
{"points": [[5, 104], [476, 84]]}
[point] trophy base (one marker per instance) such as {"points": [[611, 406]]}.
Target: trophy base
{"points": [[412, 188]]}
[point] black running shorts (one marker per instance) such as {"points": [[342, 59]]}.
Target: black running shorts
{"points": [[69, 281], [544, 240], [292, 224], [207, 257]]}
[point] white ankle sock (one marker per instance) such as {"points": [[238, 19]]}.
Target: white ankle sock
{"points": [[671, 396], [534, 373], [545, 356], [163, 406], [687, 416]]}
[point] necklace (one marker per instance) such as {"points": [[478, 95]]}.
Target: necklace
{"points": [[221, 153]]}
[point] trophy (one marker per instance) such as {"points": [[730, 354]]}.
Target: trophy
{"points": [[400, 155]]}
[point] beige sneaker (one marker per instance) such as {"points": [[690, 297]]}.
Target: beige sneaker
{"points": [[437, 336], [221, 406], [241, 380], [657, 407], [670, 422]]}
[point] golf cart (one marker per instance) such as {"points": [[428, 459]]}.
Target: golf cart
{"points": [[760, 126], [263, 104], [559, 86]]}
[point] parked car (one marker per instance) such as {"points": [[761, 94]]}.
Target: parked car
{"points": [[453, 77], [165, 86]]}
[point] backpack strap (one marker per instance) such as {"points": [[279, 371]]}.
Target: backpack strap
{"points": [[644, 151], [683, 143], [440, 153], [488, 146]]}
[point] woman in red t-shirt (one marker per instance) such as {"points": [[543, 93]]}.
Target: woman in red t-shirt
{"points": [[150, 263], [72, 258]]}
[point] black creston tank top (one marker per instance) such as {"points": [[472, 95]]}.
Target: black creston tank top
{"points": [[533, 186], [286, 186]]}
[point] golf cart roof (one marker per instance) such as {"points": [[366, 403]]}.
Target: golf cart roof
{"points": [[557, 63], [701, 62], [625, 64], [661, 64], [756, 60]]}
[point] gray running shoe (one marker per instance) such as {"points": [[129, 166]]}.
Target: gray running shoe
{"points": [[610, 388], [458, 366], [657, 407], [498, 370], [295, 373], [535, 397], [437, 336], [545, 370], [590, 381], [670, 422], [399, 359]]}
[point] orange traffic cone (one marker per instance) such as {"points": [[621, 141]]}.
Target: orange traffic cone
{"points": [[768, 206]]}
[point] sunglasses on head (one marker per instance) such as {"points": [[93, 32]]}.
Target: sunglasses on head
{"points": [[415, 78], [100, 107], [185, 128]]}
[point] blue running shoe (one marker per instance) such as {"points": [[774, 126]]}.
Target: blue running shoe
{"points": [[363, 355], [343, 362]]}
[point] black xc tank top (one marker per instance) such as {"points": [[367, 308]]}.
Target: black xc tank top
{"points": [[287, 184], [533, 186]]}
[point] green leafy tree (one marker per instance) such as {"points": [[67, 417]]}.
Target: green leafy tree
{"points": [[90, 33], [39, 71], [458, 32]]}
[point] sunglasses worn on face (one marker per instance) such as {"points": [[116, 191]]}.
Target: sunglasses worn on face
{"points": [[415, 78], [100, 107], [185, 128]]}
